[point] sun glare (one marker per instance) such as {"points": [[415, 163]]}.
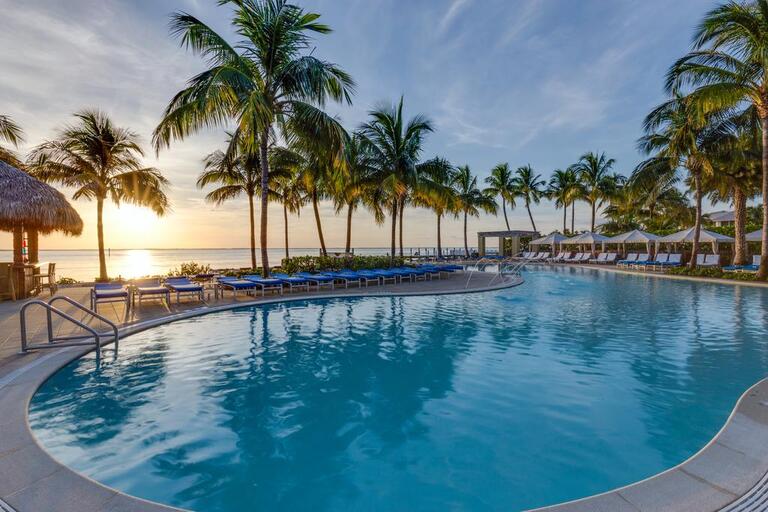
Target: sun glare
{"points": [[135, 221]]}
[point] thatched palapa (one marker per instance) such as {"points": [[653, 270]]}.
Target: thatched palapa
{"points": [[28, 203]]}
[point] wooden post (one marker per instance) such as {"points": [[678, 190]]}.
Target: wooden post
{"points": [[34, 246]]}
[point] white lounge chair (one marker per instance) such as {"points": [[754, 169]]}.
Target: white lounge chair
{"points": [[600, 258], [570, 258], [711, 260], [640, 261], [542, 256], [610, 258], [559, 257], [631, 258]]}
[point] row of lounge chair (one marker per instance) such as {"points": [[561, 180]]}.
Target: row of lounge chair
{"points": [[643, 261], [754, 267], [155, 289]]}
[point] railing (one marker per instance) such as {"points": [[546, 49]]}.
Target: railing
{"points": [[72, 340]]}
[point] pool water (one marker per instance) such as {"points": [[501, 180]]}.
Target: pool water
{"points": [[573, 383]]}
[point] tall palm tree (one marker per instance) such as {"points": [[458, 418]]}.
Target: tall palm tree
{"points": [[470, 200], [500, 184], [594, 172], [441, 197], [102, 161], [269, 80], [354, 184], [237, 171], [676, 135], [395, 146], [11, 133], [728, 67], [530, 187], [564, 188]]}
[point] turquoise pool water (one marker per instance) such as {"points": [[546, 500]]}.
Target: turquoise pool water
{"points": [[571, 384]]}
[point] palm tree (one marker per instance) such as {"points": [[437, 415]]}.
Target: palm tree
{"points": [[530, 187], [102, 161], [470, 199], [288, 187], [594, 172], [355, 184], [11, 133], [676, 135], [728, 67], [395, 146], [500, 184], [268, 80], [441, 197], [564, 188]]}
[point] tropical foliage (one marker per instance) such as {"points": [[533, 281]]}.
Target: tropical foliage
{"points": [[470, 200], [11, 133]]}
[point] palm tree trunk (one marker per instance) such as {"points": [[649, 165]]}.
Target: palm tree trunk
{"points": [[316, 209], [740, 217], [348, 246], [252, 225], [504, 209], [466, 246], [394, 231], [565, 217], [100, 235], [264, 200], [573, 217], [439, 244], [400, 213], [285, 223], [592, 229], [697, 224], [762, 273], [530, 216]]}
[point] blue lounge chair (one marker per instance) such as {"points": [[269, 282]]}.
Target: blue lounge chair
{"points": [[183, 286], [414, 272], [346, 277], [673, 260], [236, 285], [102, 293], [660, 259], [265, 283], [149, 289], [641, 261], [318, 279], [629, 260], [378, 276], [754, 267], [292, 281]]}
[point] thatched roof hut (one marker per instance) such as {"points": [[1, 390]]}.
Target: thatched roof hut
{"points": [[28, 203]]}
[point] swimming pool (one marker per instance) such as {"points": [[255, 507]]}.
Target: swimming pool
{"points": [[574, 383]]}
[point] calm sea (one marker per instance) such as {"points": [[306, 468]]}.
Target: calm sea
{"points": [[83, 265]]}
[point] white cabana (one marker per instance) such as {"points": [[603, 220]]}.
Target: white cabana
{"points": [[633, 237], [755, 236], [586, 238], [686, 236], [554, 239]]}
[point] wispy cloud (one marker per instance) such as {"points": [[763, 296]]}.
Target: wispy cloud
{"points": [[522, 18], [450, 15]]}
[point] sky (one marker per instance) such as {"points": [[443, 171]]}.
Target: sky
{"points": [[536, 82]]}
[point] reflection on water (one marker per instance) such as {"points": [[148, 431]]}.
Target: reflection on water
{"points": [[572, 384]]}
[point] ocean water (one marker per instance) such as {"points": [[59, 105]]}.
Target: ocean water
{"points": [[573, 383], [83, 265]]}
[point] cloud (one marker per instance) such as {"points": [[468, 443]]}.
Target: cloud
{"points": [[450, 15], [520, 20]]}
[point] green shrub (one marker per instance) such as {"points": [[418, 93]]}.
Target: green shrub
{"points": [[325, 263], [66, 281], [712, 272], [189, 269]]}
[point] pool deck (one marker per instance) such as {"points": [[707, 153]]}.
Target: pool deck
{"points": [[728, 474]]}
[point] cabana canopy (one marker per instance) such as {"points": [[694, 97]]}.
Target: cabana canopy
{"points": [[705, 236], [686, 235], [27, 204], [755, 236], [553, 239], [586, 238], [632, 237]]}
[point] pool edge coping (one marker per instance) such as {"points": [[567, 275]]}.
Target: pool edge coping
{"points": [[91, 495]]}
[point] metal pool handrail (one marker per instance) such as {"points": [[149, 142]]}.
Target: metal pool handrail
{"points": [[70, 340]]}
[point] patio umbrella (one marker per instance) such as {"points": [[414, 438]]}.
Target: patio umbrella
{"points": [[635, 236], [28, 204], [705, 236]]}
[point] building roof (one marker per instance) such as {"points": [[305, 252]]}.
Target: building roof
{"points": [[722, 216]]}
